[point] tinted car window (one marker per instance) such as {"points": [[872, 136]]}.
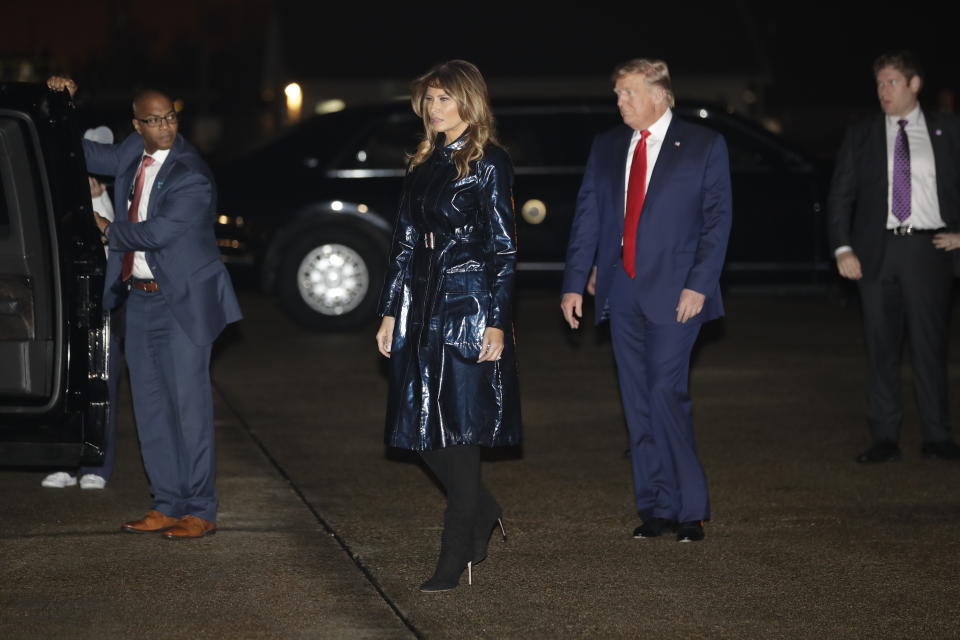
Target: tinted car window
{"points": [[748, 152], [551, 139], [386, 145], [534, 138]]}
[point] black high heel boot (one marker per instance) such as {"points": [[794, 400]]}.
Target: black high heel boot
{"points": [[458, 467], [455, 548], [488, 518]]}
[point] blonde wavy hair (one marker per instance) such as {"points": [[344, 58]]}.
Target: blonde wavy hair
{"points": [[462, 81]]}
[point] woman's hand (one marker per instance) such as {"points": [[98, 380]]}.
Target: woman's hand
{"points": [[385, 335], [492, 347]]}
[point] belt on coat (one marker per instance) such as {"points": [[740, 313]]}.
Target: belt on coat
{"points": [[464, 235]]}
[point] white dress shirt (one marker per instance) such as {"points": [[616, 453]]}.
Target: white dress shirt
{"points": [[140, 268], [924, 205], [658, 131]]}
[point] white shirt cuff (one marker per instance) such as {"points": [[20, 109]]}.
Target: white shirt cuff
{"points": [[843, 249]]}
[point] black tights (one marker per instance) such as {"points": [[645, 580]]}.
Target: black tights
{"points": [[458, 469]]}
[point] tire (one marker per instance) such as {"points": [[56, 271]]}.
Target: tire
{"points": [[330, 278]]}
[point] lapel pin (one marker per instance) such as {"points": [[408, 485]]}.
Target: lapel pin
{"points": [[938, 132], [677, 143]]}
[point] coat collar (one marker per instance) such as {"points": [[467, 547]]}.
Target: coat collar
{"points": [[456, 145]]}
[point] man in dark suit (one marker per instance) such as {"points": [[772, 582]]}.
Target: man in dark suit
{"points": [[658, 252], [165, 267], [894, 187]]}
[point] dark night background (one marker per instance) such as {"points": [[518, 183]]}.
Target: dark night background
{"points": [[806, 67]]}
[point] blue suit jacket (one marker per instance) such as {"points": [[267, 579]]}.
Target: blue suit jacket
{"points": [[177, 236], [684, 226]]}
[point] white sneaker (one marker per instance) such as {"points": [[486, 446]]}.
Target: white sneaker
{"points": [[92, 481], [59, 480]]}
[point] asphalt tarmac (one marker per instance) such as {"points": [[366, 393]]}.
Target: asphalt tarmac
{"points": [[325, 533]]}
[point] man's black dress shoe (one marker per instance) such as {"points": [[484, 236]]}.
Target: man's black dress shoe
{"points": [[653, 527], [946, 450], [880, 452], [690, 531]]}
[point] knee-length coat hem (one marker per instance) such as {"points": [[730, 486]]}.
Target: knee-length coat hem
{"points": [[450, 276]]}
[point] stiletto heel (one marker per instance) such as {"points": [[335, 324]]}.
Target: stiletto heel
{"points": [[470, 573], [487, 521]]}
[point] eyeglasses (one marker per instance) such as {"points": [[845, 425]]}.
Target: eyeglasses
{"points": [[154, 121]]}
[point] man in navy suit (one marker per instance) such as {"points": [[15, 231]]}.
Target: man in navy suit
{"points": [[653, 215], [165, 267]]}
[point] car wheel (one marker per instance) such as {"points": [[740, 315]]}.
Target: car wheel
{"points": [[330, 279]]}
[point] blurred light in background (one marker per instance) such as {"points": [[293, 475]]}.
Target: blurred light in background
{"points": [[329, 106], [294, 102]]}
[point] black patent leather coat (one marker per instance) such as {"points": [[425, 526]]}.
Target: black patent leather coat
{"points": [[443, 290]]}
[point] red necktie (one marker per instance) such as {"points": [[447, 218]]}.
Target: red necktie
{"points": [[636, 190], [133, 213]]}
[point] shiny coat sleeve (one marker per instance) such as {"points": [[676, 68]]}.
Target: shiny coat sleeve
{"points": [[717, 220], [496, 193], [405, 238], [585, 233]]}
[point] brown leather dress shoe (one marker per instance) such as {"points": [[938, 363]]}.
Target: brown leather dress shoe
{"points": [[153, 522], [191, 527]]}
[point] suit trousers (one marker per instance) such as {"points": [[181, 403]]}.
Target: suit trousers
{"points": [[909, 297], [653, 367], [173, 406]]}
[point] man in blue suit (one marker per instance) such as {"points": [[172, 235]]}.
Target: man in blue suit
{"points": [[165, 267], [653, 216]]}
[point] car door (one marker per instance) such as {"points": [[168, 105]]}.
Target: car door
{"points": [[778, 235], [549, 146], [31, 308], [53, 329]]}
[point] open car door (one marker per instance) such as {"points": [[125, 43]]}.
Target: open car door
{"points": [[54, 333]]}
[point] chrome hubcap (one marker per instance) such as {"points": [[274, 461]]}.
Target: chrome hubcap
{"points": [[333, 279]]}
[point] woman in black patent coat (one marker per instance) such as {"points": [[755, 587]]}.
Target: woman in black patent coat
{"points": [[447, 308]]}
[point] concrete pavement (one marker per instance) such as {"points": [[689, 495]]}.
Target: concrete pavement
{"points": [[803, 542]]}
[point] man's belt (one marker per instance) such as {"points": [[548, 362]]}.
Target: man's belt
{"points": [[144, 285], [908, 230]]}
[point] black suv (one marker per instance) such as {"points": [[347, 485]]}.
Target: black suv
{"points": [[313, 209], [53, 330]]}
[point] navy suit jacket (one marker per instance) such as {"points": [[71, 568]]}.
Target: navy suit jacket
{"points": [[684, 225], [177, 236]]}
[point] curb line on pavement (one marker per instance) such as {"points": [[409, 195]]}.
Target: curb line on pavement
{"points": [[316, 514]]}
